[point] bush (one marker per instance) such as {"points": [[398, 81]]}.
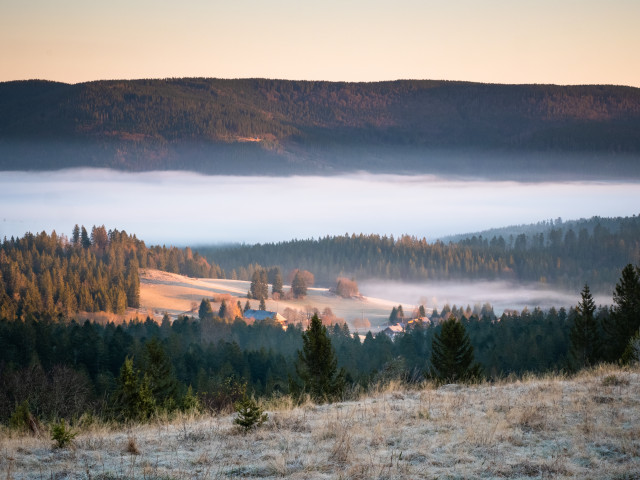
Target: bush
{"points": [[22, 419], [62, 435], [250, 414], [223, 396], [190, 402]]}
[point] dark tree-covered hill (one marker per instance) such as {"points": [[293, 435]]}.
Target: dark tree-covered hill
{"points": [[567, 254], [260, 126]]}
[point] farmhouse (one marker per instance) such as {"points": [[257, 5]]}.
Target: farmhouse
{"points": [[393, 330], [261, 315]]}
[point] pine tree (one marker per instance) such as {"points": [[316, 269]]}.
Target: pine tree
{"points": [[159, 371], [259, 287], [205, 312], [75, 236], [133, 399], [85, 240], [393, 316], [585, 345], [222, 311], [249, 414], [298, 285], [625, 314], [452, 354], [133, 285], [263, 305], [317, 364], [276, 286]]}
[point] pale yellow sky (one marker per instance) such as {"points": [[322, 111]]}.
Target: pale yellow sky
{"points": [[516, 41]]}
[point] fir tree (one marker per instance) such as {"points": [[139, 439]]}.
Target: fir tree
{"points": [[452, 354], [585, 346], [133, 285], [222, 311], [299, 285], [276, 282], [159, 371], [393, 316], [85, 240], [625, 314], [205, 312], [317, 364], [75, 236], [259, 287], [249, 414], [133, 399]]}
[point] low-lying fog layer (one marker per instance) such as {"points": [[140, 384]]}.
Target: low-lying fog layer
{"points": [[187, 208], [500, 294]]}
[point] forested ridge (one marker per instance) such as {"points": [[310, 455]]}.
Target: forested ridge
{"points": [[57, 276], [257, 126], [592, 251]]}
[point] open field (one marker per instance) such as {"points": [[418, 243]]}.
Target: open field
{"points": [[552, 427], [176, 294]]}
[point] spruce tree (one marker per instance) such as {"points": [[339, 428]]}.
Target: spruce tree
{"points": [[452, 357], [625, 314], [159, 371], [75, 236], [276, 285], [205, 312], [222, 311], [249, 414], [317, 364], [259, 288], [133, 285], [85, 240], [585, 344], [133, 399], [393, 316], [298, 285]]}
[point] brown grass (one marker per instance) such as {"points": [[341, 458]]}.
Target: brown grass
{"points": [[548, 427]]}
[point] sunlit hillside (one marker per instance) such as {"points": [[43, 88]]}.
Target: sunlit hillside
{"points": [[175, 294]]}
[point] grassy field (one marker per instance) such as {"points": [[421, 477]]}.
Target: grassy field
{"points": [[176, 294], [587, 426]]}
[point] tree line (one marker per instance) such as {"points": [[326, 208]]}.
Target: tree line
{"points": [[594, 254], [89, 272], [186, 123]]}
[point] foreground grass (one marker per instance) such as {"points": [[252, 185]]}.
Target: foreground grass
{"points": [[587, 426]]}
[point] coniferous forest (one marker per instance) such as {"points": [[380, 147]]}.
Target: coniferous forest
{"points": [[262, 126], [53, 365], [567, 254]]}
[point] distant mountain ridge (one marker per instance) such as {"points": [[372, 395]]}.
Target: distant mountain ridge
{"points": [[261, 126]]}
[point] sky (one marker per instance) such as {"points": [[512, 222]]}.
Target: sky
{"points": [[498, 41]]}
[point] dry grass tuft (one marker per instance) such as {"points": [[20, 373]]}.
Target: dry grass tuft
{"points": [[614, 381], [132, 446]]}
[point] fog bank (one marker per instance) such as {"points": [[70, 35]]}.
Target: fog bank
{"points": [[188, 209], [500, 294]]}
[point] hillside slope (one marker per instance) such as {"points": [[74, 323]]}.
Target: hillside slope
{"points": [[583, 427], [279, 126]]}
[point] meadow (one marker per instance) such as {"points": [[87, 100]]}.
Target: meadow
{"points": [[554, 426]]}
